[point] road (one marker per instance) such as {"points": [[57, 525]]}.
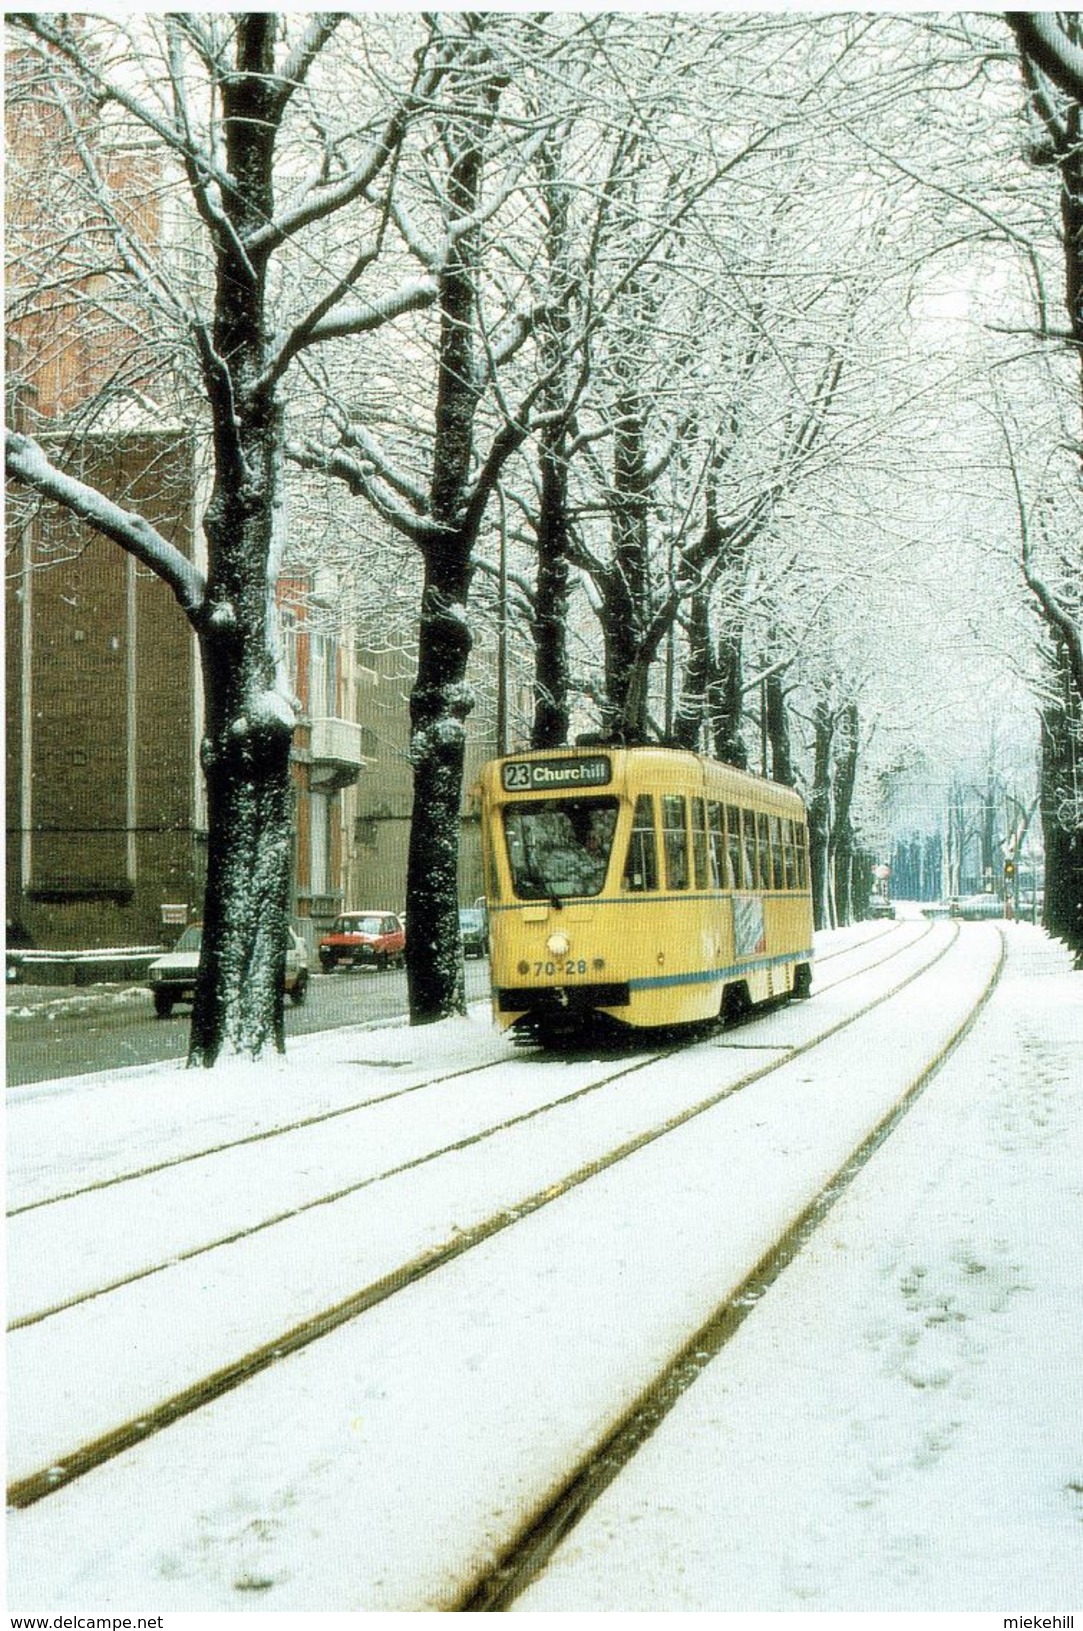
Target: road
{"points": [[237, 1317], [68, 1030]]}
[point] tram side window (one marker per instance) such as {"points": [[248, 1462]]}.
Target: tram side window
{"points": [[734, 871], [748, 850], [775, 829], [641, 867], [763, 849], [675, 840], [717, 835], [787, 844], [802, 855], [699, 843]]}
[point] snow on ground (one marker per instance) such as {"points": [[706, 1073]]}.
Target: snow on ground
{"points": [[36, 1001], [899, 1424]]}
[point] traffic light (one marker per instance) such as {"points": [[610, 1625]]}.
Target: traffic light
{"points": [[1009, 869]]}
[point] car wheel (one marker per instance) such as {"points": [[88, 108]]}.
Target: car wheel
{"points": [[327, 964], [300, 990], [163, 1004], [383, 962]]}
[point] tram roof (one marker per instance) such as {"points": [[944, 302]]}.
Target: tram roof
{"points": [[650, 762]]}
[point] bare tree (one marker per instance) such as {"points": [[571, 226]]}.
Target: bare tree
{"points": [[230, 101], [475, 403]]}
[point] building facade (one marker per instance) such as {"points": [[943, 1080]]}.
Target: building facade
{"points": [[106, 820]]}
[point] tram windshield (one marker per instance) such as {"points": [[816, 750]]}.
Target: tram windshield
{"points": [[559, 847]]}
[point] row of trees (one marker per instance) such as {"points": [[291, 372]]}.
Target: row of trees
{"points": [[601, 316]]}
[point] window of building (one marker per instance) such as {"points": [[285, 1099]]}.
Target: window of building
{"points": [[323, 676], [320, 842]]}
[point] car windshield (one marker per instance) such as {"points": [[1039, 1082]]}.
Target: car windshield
{"points": [[358, 925], [559, 847], [191, 939], [471, 918]]}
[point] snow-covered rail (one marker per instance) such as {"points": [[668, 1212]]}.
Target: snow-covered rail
{"points": [[253, 1248]]}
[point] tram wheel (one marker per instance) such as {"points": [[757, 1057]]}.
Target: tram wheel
{"points": [[802, 982], [735, 1004]]}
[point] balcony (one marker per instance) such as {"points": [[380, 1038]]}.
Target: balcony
{"points": [[337, 760]]}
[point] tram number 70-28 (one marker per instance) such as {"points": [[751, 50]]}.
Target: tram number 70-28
{"points": [[570, 967]]}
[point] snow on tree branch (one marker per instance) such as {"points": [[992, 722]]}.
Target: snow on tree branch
{"points": [[1041, 37], [25, 460]]}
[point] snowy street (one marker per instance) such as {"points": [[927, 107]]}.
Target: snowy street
{"points": [[544, 862], [331, 1333]]}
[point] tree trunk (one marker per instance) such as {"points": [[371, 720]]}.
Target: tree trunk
{"points": [[1062, 820], [551, 677], [778, 731], [249, 855], [439, 703], [697, 679], [440, 698], [626, 588], [1062, 830], [248, 719], [819, 815], [725, 699], [842, 833]]}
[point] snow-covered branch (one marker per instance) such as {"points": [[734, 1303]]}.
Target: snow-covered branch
{"points": [[1041, 37], [25, 460]]}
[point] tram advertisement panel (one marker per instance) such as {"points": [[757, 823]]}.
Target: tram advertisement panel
{"points": [[749, 936]]}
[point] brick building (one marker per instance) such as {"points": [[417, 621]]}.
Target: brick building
{"points": [[105, 805], [103, 799]]}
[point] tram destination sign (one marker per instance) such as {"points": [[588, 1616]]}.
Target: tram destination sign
{"points": [[543, 775]]}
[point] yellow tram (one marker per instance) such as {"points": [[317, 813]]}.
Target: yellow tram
{"points": [[646, 884]]}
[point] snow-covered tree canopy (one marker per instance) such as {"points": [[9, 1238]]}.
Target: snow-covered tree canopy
{"points": [[724, 355]]}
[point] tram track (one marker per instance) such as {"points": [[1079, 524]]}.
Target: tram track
{"points": [[641, 1062], [500, 1587], [77, 1460], [300, 1124]]}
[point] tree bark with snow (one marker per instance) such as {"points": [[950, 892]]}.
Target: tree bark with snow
{"points": [[1052, 66]]}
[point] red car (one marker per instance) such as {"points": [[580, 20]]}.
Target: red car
{"points": [[364, 939]]}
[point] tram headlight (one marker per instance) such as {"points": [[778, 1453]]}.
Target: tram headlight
{"points": [[558, 945]]}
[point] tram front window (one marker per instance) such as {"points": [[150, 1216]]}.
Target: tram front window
{"points": [[559, 847]]}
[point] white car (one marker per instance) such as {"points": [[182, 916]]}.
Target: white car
{"points": [[173, 977]]}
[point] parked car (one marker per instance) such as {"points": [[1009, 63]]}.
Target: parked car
{"points": [[370, 939], [173, 977], [880, 906], [474, 931]]}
